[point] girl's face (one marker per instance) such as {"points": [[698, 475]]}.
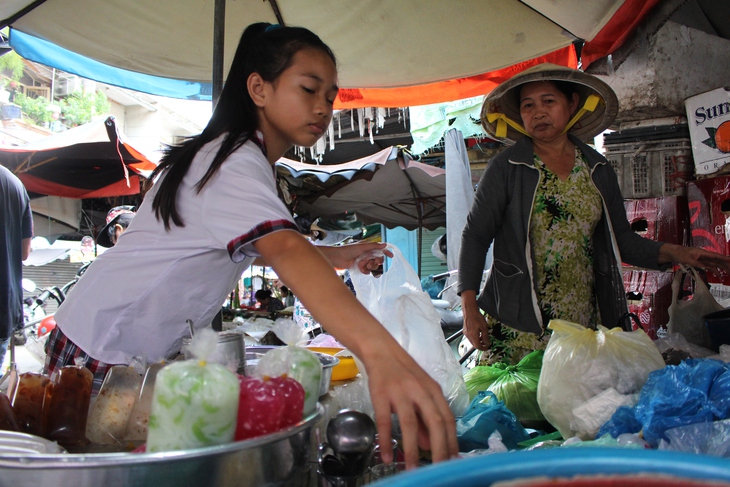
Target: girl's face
{"points": [[545, 110], [297, 106]]}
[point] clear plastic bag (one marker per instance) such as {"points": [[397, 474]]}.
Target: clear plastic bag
{"points": [[711, 438], [398, 302], [297, 362], [686, 317], [581, 363], [195, 403]]}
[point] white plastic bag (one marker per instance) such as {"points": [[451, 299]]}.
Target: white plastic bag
{"points": [[686, 315], [397, 300], [580, 364]]}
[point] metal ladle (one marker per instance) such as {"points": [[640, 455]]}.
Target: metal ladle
{"points": [[351, 431], [351, 434]]}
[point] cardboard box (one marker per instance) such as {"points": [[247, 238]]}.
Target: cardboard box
{"points": [[708, 115], [708, 201], [649, 294], [661, 219]]}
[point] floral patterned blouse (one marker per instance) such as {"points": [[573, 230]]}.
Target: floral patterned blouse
{"points": [[564, 215]]}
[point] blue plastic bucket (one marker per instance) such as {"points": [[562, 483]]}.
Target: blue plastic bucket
{"points": [[565, 463]]}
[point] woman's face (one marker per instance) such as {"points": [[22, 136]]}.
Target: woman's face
{"points": [[545, 110]]}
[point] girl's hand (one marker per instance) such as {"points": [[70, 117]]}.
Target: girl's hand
{"points": [[344, 256], [475, 325], [398, 385]]}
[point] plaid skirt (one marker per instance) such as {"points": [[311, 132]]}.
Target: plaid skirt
{"points": [[60, 352]]}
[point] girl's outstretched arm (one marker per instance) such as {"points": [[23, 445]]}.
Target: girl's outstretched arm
{"points": [[397, 383]]}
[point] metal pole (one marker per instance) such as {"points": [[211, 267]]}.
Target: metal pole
{"points": [[219, 36]]}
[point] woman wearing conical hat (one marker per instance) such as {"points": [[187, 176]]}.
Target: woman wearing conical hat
{"points": [[552, 207]]}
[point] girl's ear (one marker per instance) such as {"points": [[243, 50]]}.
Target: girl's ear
{"points": [[255, 85]]}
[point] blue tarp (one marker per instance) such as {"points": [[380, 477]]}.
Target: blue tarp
{"points": [[49, 54]]}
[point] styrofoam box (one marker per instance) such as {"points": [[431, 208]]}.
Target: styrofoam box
{"points": [[706, 113]]}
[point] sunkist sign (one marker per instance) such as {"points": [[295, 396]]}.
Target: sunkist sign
{"points": [[708, 116]]}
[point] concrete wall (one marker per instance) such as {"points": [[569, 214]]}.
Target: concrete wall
{"points": [[666, 68]]}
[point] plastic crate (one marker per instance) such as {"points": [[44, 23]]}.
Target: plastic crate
{"points": [[652, 168]]}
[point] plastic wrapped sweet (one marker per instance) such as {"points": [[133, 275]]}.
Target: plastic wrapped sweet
{"points": [[268, 405], [69, 407], [195, 403], [296, 362], [139, 418], [31, 402], [107, 422]]}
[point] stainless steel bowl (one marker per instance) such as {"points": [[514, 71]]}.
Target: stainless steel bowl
{"points": [[253, 354], [277, 459]]}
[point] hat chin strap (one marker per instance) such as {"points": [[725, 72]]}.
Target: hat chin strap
{"points": [[590, 105], [503, 120]]}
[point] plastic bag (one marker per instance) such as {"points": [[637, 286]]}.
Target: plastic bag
{"points": [[109, 415], [195, 403], [398, 302], [675, 348], [695, 391], [687, 316], [298, 363], [487, 414], [581, 363], [516, 385], [707, 438]]}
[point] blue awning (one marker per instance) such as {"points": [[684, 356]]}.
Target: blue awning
{"points": [[49, 54]]}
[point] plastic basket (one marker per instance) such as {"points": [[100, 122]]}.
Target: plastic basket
{"points": [[652, 168]]}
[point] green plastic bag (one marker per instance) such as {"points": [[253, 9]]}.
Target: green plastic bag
{"points": [[515, 385]]}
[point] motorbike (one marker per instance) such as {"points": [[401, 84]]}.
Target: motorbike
{"points": [[36, 322]]}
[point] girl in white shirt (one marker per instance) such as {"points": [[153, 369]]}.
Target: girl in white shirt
{"points": [[213, 211]]}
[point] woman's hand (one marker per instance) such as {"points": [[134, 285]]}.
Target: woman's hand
{"points": [[475, 325], [344, 256], [702, 259]]}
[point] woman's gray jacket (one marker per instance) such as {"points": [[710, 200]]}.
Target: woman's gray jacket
{"points": [[501, 214]]}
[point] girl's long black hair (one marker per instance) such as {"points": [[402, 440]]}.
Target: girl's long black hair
{"points": [[265, 49]]}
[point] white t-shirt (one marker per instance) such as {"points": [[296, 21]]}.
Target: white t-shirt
{"points": [[134, 300]]}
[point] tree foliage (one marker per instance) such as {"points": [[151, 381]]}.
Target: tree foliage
{"points": [[79, 107], [13, 64]]}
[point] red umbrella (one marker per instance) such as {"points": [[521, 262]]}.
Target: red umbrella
{"points": [[88, 161]]}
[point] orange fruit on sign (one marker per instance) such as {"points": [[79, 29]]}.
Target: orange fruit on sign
{"points": [[722, 137]]}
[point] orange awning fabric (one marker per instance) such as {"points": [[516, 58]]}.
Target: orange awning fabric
{"points": [[444, 91], [45, 187], [617, 30]]}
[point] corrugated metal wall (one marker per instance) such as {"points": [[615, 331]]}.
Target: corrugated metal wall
{"points": [[430, 264], [56, 273]]}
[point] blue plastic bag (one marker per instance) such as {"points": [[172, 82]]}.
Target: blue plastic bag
{"points": [[485, 415], [695, 391]]}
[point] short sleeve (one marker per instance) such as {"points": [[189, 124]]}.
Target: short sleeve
{"points": [[242, 204]]}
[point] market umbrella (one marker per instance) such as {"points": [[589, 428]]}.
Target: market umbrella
{"points": [[88, 161], [388, 188], [391, 54]]}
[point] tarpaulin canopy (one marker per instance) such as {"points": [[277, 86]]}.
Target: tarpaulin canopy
{"points": [[387, 188], [88, 161], [391, 54]]}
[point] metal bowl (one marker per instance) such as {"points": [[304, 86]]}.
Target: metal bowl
{"points": [[253, 354], [280, 458]]}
